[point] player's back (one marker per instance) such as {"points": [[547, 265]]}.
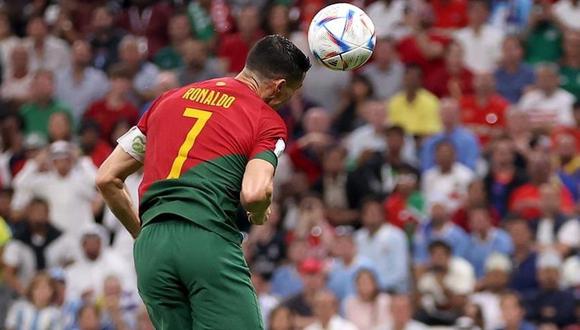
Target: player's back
{"points": [[199, 139]]}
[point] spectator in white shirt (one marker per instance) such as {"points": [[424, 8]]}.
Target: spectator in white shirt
{"points": [[401, 311], [17, 76], [46, 52], [79, 85], [447, 182], [548, 105], [133, 54], [567, 13], [326, 313], [369, 137], [385, 72], [385, 245], [388, 17], [481, 42], [66, 183]]}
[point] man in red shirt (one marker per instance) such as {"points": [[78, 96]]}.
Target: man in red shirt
{"points": [[453, 79], [483, 112]]}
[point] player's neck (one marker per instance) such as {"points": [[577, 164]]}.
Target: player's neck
{"points": [[249, 80]]}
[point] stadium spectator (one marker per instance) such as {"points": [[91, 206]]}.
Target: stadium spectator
{"points": [[7, 39], [519, 130], [286, 280], [567, 14], [438, 228], [278, 21], [370, 136], [543, 38], [166, 81], [485, 240], [119, 307], [484, 111], [513, 76], [448, 180], [314, 226], [89, 317], [362, 308], [567, 156], [92, 144], [553, 229], [105, 38], [43, 104], [385, 245], [401, 311], [385, 71], [210, 19], [550, 304], [79, 85], [481, 41], [452, 79], [463, 140], [513, 313], [524, 258], [548, 105], [388, 16], [281, 318], [116, 105], [444, 287], [148, 19], [234, 48], [405, 205], [197, 66], [570, 69], [59, 127], [415, 109], [476, 198], [320, 83], [65, 182], [17, 80], [132, 54], [170, 57], [46, 51], [37, 310], [325, 308], [348, 114], [491, 287]]}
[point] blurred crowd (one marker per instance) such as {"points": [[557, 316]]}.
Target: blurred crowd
{"points": [[436, 187]]}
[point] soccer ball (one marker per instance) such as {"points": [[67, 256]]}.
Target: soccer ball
{"points": [[341, 37]]}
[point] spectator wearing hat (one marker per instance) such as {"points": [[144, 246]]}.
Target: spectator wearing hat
{"points": [[325, 308], [313, 276], [386, 71], [524, 258], [366, 307], [491, 287], [79, 84], [445, 286], [65, 182], [513, 313], [485, 240], [550, 304], [385, 245], [512, 76], [401, 311]]}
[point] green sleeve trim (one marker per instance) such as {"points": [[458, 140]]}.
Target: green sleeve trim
{"points": [[269, 156]]}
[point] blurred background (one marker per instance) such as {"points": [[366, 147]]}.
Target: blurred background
{"points": [[438, 186]]}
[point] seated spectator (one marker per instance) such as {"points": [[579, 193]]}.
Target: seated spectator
{"points": [[59, 127], [361, 308], [510, 16], [92, 144], [525, 199], [414, 108], [348, 115], [116, 105], [385, 71], [445, 286], [31, 248], [66, 183], [388, 17], [119, 306], [17, 80], [567, 14], [43, 104], [513, 312], [286, 280], [491, 287], [513, 77], [385, 245], [89, 317], [549, 304], [85, 278], [448, 180], [484, 111], [405, 206], [481, 41], [401, 311], [234, 48], [439, 228], [485, 240], [519, 131], [548, 105], [451, 79], [476, 198], [46, 51], [523, 278], [346, 264], [369, 137], [552, 229], [105, 38], [464, 142], [197, 66], [179, 32], [543, 38], [133, 55], [325, 308], [303, 304], [37, 310]]}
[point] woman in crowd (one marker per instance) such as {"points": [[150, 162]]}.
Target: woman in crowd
{"points": [[368, 308]]}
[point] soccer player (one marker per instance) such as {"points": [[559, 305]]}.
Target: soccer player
{"points": [[205, 148]]}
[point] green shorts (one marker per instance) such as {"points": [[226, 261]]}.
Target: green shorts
{"points": [[191, 278]]}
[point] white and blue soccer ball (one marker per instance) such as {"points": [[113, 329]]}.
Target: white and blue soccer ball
{"points": [[341, 37]]}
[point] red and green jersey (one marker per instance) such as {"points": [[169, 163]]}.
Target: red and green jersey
{"points": [[199, 140]]}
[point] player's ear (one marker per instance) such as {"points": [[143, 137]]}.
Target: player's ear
{"points": [[279, 85]]}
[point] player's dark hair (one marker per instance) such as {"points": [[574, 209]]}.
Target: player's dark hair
{"points": [[275, 57]]}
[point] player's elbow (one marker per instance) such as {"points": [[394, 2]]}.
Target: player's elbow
{"points": [[105, 181], [251, 197]]}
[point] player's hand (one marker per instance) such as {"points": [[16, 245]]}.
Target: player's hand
{"points": [[259, 219]]}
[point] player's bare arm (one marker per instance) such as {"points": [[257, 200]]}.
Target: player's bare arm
{"points": [[257, 188], [111, 183]]}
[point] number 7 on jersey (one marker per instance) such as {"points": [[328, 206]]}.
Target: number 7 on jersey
{"points": [[201, 117]]}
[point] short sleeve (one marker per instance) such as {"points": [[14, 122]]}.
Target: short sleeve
{"points": [[270, 141], [143, 122]]}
